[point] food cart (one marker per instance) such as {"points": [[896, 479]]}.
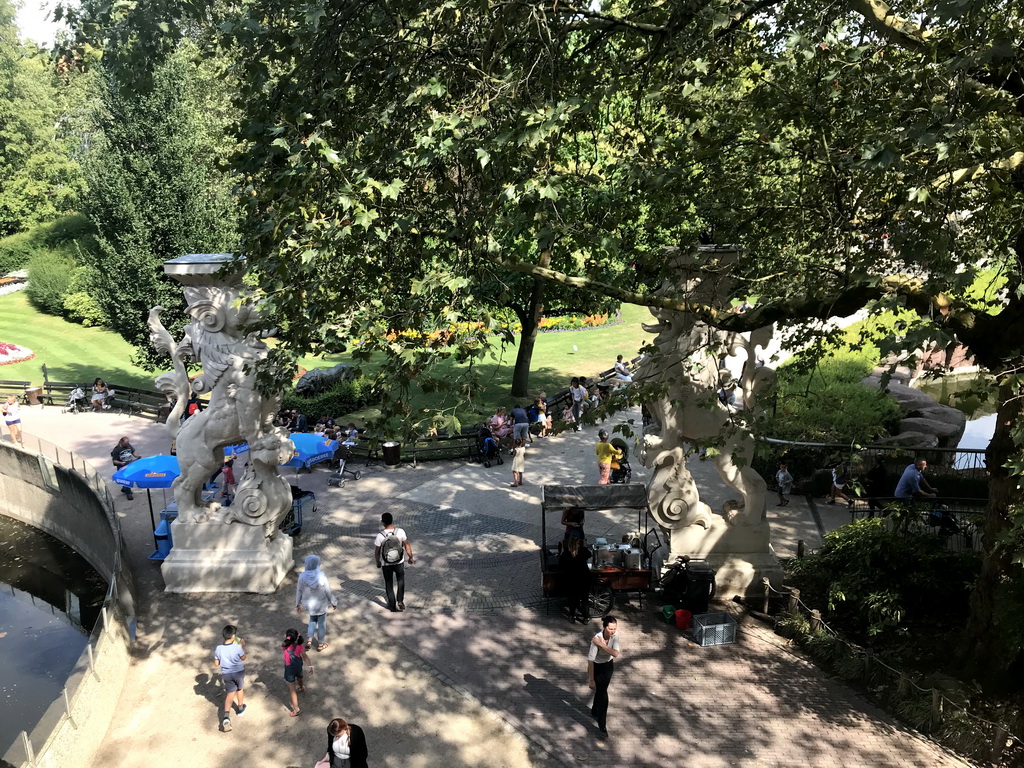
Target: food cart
{"points": [[617, 566]]}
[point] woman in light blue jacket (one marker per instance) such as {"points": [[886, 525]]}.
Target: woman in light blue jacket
{"points": [[313, 594]]}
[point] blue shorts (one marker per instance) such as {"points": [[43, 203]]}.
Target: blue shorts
{"points": [[16, 421], [293, 671], [233, 681]]}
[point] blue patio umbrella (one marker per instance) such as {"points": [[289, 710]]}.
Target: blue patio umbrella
{"points": [[149, 472], [310, 449]]}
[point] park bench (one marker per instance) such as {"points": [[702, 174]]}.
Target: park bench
{"points": [[563, 398], [430, 448], [17, 388], [147, 402], [129, 400]]}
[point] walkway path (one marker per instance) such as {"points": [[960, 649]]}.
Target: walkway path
{"points": [[475, 632]]}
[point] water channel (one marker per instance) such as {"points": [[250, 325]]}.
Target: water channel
{"points": [[50, 599], [981, 415]]}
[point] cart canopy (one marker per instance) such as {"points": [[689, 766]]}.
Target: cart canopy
{"points": [[632, 496]]}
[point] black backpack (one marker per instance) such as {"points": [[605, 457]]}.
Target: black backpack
{"points": [[390, 548]]}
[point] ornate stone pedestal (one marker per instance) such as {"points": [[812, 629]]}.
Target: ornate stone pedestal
{"points": [[740, 556], [703, 406], [217, 557], [237, 548]]}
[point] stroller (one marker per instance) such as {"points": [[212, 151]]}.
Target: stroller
{"points": [[341, 456], [488, 448], [621, 471], [77, 401]]}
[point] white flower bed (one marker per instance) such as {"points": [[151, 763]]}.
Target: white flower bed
{"points": [[12, 353]]}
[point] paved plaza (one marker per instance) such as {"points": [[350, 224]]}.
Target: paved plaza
{"points": [[478, 671]]}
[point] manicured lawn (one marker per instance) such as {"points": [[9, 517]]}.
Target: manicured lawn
{"points": [[70, 351]]}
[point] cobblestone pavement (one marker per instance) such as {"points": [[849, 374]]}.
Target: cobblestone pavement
{"points": [[476, 617], [672, 702]]}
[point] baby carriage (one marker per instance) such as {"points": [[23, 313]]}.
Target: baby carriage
{"points": [[77, 401], [342, 455], [621, 471], [488, 448]]}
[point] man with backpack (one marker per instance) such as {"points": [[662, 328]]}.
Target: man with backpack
{"points": [[390, 550]]}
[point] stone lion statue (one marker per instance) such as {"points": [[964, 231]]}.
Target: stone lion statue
{"points": [[690, 413], [217, 339]]}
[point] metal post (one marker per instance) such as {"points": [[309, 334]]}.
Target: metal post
{"points": [[67, 707], [27, 744], [103, 614], [815, 624], [794, 600], [800, 549], [92, 662], [767, 593]]}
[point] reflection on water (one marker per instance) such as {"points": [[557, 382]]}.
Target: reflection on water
{"points": [[50, 598], [960, 393]]}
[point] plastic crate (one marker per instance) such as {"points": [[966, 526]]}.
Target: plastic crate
{"points": [[714, 629]]}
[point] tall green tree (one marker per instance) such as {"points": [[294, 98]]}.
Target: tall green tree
{"points": [[39, 180], [156, 192], [415, 146]]}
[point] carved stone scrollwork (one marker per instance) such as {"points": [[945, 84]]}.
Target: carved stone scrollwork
{"points": [[236, 411], [691, 415]]}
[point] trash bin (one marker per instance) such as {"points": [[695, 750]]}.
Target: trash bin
{"points": [[392, 453], [699, 587], [34, 395], [683, 619], [162, 534]]}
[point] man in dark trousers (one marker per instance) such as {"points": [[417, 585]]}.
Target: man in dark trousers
{"points": [[123, 455], [391, 548], [604, 649]]}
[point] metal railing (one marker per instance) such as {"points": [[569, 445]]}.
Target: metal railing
{"points": [[927, 709], [29, 748]]}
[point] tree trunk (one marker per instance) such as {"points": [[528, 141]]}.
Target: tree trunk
{"points": [[530, 320], [985, 652]]}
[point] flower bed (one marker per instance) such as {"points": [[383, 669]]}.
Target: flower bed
{"points": [[12, 353]]}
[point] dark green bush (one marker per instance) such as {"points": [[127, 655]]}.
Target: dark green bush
{"points": [[49, 280], [16, 251], [67, 229], [338, 401], [876, 582]]}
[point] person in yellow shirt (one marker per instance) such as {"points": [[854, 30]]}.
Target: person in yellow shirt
{"points": [[606, 454]]}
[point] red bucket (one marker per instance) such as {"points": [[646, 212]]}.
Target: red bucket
{"points": [[683, 619]]}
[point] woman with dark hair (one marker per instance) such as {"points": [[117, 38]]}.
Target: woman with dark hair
{"points": [[101, 394], [574, 560], [346, 745]]}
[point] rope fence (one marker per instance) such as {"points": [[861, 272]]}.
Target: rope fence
{"points": [[995, 738]]}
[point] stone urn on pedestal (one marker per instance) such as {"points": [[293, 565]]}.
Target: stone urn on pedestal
{"points": [[736, 540], [217, 548]]}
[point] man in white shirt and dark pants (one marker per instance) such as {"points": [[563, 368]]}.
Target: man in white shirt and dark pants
{"points": [[604, 649], [396, 567]]}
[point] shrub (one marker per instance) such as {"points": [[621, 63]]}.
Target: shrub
{"points": [[338, 401], [875, 581], [80, 307], [16, 251], [49, 279], [67, 229]]}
